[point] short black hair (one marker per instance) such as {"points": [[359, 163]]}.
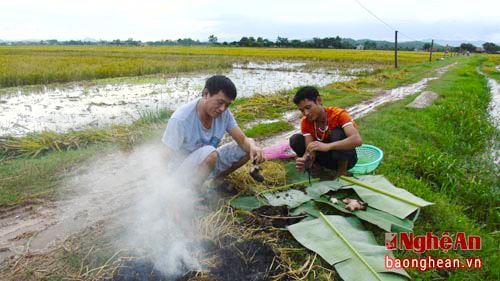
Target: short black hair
{"points": [[218, 83], [306, 92]]}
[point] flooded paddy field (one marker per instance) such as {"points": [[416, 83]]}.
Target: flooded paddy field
{"points": [[73, 106]]}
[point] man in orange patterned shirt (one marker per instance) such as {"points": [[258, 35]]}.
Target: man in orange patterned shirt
{"points": [[328, 136]]}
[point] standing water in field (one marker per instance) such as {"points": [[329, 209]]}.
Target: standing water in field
{"points": [[76, 107], [494, 110]]}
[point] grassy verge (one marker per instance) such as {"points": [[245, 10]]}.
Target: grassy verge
{"points": [[442, 155], [27, 178], [266, 129]]}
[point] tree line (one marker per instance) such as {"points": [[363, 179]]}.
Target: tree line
{"points": [[280, 42]]}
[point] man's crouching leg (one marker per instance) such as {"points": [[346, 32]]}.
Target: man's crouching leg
{"points": [[197, 166], [204, 169], [341, 160], [231, 157]]}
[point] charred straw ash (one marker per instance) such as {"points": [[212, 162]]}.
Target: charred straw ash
{"points": [[232, 251], [237, 260]]}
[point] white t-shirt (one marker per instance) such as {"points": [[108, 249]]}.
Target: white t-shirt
{"points": [[185, 132]]}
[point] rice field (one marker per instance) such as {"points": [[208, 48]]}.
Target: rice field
{"points": [[32, 65]]}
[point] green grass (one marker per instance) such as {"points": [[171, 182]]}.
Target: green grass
{"points": [[266, 129], [441, 153], [153, 116], [26, 178]]}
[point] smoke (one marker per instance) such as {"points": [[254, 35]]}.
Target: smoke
{"points": [[162, 221], [134, 189]]}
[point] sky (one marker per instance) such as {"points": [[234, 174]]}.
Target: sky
{"points": [[149, 20]]}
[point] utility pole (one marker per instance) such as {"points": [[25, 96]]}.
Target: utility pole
{"points": [[432, 46], [396, 49]]}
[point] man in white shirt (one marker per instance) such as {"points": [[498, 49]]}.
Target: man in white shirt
{"points": [[194, 131]]}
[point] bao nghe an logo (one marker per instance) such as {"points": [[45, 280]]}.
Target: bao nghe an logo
{"points": [[429, 241]]}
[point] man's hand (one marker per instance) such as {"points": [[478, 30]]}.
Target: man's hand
{"points": [[256, 154], [317, 146], [300, 161]]}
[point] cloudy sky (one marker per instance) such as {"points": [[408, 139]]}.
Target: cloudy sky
{"points": [[230, 20]]}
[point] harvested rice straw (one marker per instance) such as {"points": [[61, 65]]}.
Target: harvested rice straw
{"points": [[273, 172]]}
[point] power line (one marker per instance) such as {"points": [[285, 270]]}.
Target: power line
{"points": [[382, 21]]}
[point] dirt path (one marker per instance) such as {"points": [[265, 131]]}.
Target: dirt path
{"points": [[106, 187], [365, 107]]}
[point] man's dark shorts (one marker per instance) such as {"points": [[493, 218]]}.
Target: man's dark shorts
{"points": [[328, 159]]}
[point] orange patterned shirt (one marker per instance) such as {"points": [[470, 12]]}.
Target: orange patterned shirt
{"points": [[337, 118]]}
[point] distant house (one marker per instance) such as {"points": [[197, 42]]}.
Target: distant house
{"points": [[360, 47]]}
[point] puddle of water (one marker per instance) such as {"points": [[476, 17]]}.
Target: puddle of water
{"points": [[370, 105], [494, 111], [494, 108], [275, 65], [76, 107]]}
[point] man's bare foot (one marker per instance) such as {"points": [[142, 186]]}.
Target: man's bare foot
{"points": [[341, 169]]}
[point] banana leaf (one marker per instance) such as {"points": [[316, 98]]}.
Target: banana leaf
{"points": [[292, 198], [381, 219], [319, 188], [292, 175], [248, 203], [345, 244], [401, 208], [308, 208]]}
